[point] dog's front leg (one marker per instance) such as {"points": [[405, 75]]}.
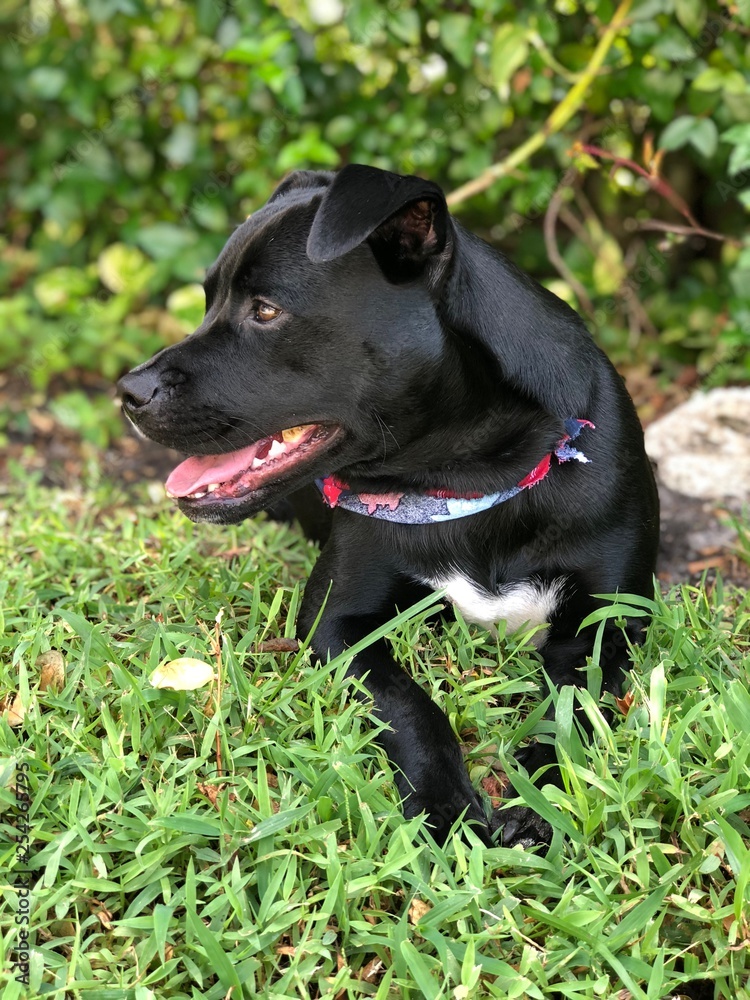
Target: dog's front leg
{"points": [[430, 771]]}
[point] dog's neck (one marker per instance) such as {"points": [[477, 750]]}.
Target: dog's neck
{"points": [[487, 299]]}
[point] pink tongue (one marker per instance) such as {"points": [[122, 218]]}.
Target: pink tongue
{"points": [[195, 473]]}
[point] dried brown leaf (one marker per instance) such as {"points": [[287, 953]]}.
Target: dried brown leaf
{"points": [[15, 712], [210, 792], [62, 928], [625, 703], [372, 972], [417, 909], [494, 788], [278, 645]]}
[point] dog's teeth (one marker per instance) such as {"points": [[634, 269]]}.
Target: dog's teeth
{"points": [[294, 433], [276, 449], [197, 496], [211, 487], [256, 463]]}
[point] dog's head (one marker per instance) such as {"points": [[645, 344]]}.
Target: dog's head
{"points": [[318, 347], [353, 327]]}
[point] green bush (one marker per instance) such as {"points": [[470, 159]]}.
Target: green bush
{"points": [[139, 133]]}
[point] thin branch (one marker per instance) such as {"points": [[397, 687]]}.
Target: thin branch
{"points": [[557, 119], [576, 227], [671, 227], [538, 42], [636, 312], [553, 251], [657, 183]]}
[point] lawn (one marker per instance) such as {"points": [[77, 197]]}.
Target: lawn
{"points": [[245, 839]]}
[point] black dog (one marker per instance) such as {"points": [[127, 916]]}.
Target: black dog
{"points": [[456, 416]]}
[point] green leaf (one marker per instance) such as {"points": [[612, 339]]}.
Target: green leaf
{"points": [[677, 133], [124, 268], [181, 145], [307, 151], [674, 45], [164, 239], [705, 137], [736, 697], [217, 957], [60, 289], [609, 270], [691, 14], [738, 853], [46, 82], [258, 48], [417, 965], [278, 822], [341, 130], [535, 799], [189, 824], [404, 23], [737, 134], [162, 917], [739, 159], [510, 49], [458, 35], [710, 79], [188, 304], [638, 918]]}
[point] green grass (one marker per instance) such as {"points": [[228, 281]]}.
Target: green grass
{"points": [[301, 878]]}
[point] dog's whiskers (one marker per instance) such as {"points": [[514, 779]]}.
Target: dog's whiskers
{"points": [[236, 418], [383, 428], [217, 441]]}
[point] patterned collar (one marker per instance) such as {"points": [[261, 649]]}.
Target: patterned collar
{"points": [[443, 505]]}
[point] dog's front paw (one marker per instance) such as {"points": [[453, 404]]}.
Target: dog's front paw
{"points": [[521, 825], [443, 813]]}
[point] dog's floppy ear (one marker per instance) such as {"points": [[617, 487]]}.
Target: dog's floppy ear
{"points": [[405, 219]]}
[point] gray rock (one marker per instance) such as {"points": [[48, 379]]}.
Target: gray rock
{"points": [[702, 448]]}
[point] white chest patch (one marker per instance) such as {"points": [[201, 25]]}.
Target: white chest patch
{"points": [[523, 603]]}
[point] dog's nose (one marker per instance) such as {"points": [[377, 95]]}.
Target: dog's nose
{"points": [[138, 388], [141, 386]]}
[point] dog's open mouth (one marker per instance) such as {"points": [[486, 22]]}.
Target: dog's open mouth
{"points": [[238, 473]]}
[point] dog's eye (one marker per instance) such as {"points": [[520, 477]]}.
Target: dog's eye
{"points": [[264, 312]]}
